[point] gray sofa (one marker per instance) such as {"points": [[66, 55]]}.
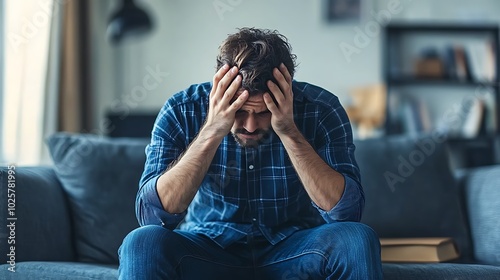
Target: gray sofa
{"points": [[72, 217]]}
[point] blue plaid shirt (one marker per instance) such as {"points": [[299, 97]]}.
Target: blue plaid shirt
{"points": [[251, 191]]}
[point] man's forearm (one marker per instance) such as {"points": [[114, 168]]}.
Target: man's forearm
{"points": [[324, 185], [179, 184]]}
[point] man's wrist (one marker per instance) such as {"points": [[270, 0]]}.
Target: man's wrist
{"points": [[291, 135], [207, 134]]}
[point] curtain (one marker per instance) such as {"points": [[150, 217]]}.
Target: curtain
{"points": [[74, 95]]}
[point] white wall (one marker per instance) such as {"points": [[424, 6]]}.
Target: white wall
{"points": [[188, 33], [102, 64], [449, 10], [186, 39]]}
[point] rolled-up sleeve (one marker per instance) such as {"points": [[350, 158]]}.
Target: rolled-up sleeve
{"points": [[349, 207], [160, 153], [150, 210], [335, 146]]}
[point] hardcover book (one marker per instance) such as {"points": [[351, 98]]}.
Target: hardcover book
{"points": [[435, 249]]}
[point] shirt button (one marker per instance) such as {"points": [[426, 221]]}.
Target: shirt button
{"points": [[250, 167]]}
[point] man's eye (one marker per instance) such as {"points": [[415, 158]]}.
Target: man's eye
{"points": [[264, 113]]}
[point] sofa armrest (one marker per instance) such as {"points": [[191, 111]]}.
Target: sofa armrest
{"points": [[481, 190], [40, 227]]}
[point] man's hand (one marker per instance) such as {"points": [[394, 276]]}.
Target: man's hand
{"points": [[282, 112], [221, 112]]}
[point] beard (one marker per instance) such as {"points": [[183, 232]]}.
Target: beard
{"points": [[261, 136]]}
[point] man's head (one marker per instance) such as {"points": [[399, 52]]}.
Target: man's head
{"points": [[256, 52]]}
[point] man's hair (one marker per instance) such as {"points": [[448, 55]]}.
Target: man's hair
{"points": [[256, 52]]}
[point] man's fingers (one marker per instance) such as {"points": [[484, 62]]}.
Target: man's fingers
{"points": [[270, 104], [238, 103], [285, 73], [220, 73], [283, 84], [222, 80], [232, 89], [277, 93], [226, 80]]}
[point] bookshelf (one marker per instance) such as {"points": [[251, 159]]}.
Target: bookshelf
{"points": [[444, 77]]}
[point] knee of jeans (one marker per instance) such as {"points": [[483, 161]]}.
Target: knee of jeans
{"points": [[368, 234], [364, 237], [355, 235], [143, 237]]}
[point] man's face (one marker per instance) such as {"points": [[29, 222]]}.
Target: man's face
{"points": [[252, 122]]}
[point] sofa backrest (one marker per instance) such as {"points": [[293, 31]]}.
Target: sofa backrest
{"points": [[409, 189], [481, 188]]}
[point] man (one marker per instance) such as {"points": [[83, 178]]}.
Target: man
{"points": [[262, 170]]}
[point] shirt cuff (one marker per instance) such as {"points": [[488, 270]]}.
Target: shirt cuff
{"points": [[349, 207], [149, 210]]}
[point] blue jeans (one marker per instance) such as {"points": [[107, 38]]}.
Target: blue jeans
{"points": [[343, 250]]}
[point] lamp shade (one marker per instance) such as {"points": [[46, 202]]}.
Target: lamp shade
{"points": [[128, 21]]}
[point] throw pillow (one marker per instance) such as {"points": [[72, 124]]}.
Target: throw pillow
{"points": [[101, 177], [410, 190]]}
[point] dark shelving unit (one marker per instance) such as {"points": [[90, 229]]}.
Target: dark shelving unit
{"points": [[409, 81], [397, 78]]}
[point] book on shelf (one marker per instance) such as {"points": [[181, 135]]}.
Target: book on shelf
{"points": [[414, 115], [481, 57], [490, 111], [420, 250], [462, 65], [410, 122], [474, 117], [450, 63], [473, 61]]}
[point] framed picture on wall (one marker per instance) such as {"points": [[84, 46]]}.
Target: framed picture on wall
{"points": [[343, 10]]}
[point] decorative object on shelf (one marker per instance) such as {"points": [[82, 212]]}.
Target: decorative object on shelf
{"points": [[368, 110], [429, 65]]}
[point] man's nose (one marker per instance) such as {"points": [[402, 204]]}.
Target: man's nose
{"points": [[250, 123]]}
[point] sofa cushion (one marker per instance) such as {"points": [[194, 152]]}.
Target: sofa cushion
{"points": [[60, 270], [42, 230], [101, 177], [410, 190], [482, 193], [440, 271]]}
